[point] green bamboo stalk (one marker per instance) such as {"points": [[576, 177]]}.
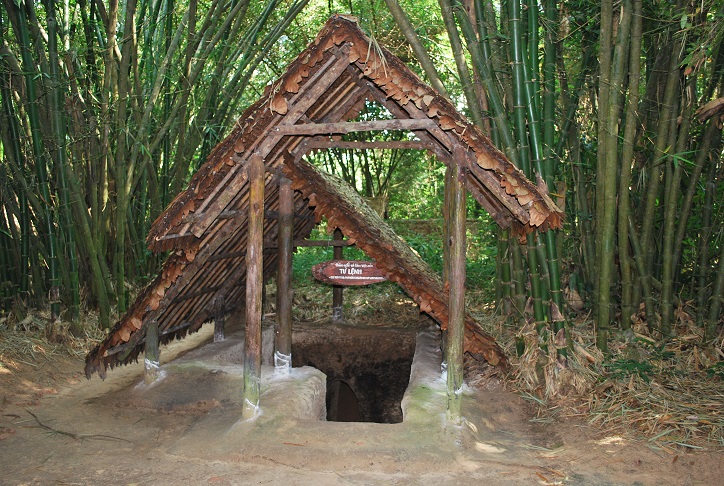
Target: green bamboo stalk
{"points": [[99, 271], [167, 98], [717, 299], [13, 127], [405, 26], [520, 107], [544, 270], [520, 102], [707, 148], [517, 269], [506, 282], [671, 213], [518, 301], [481, 53], [606, 181], [549, 90], [629, 136], [39, 154], [60, 151], [492, 39], [451, 9], [550, 165], [123, 163], [145, 113], [548, 259], [704, 240], [530, 54], [640, 261], [7, 282], [180, 109], [217, 108], [571, 101], [606, 42], [666, 119]]}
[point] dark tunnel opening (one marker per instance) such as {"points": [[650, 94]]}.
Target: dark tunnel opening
{"points": [[367, 370]]}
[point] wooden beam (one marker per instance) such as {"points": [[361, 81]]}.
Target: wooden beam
{"points": [[218, 205], [194, 217], [441, 139], [197, 293], [176, 328], [393, 144], [271, 245], [271, 214], [254, 283], [348, 127], [456, 304], [283, 341], [310, 243]]}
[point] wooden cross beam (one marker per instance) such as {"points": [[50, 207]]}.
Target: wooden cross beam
{"points": [[345, 144], [349, 127]]}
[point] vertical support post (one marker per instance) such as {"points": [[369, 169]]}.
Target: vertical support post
{"points": [[219, 318], [283, 345], [337, 298], [254, 283], [151, 363], [446, 214], [456, 320]]}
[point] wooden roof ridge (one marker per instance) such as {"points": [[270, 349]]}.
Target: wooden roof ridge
{"points": [[388, 74], [336, 200]]}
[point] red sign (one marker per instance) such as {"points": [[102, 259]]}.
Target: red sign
{"points": [[348, 272]]}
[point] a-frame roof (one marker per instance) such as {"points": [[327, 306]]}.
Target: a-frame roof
{"points": [[326, 86]]}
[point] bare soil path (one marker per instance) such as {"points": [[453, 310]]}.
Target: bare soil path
{"points": [[58, 428]]}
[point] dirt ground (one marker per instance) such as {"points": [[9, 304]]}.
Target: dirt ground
{"points": [[56, 427]]}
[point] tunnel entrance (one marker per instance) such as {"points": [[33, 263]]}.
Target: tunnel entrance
{"points": [[342, 403], [367, 370]]}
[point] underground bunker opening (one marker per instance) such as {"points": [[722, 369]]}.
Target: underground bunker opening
{"points": [[367, 370]]}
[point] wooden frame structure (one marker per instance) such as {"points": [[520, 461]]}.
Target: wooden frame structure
{"points": [[255, 198]]}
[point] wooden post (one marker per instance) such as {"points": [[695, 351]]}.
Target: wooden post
{"points": [[456, 320], [151, 363], [219, 322], [283, 347], [337, 298], [254, 282], [446, 214]]}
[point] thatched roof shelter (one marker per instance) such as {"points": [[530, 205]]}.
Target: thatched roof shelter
{"points": [[205, 227]]}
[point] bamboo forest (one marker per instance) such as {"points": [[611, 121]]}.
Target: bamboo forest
{"points": [[615, 110]]}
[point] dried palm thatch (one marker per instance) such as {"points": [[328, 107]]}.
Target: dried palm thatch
{"points": [[671, 393]]}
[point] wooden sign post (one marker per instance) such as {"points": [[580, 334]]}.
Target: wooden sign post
{"points": [[337, 291]]}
